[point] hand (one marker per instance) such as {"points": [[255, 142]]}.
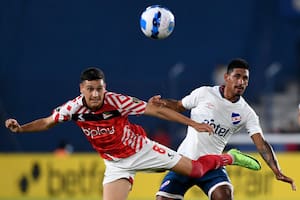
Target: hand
{"points": [[156, 100], [282, 177], [13, 125], [203, 127]]}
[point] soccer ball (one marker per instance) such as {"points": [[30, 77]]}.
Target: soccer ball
{"points": [[157, 22]]}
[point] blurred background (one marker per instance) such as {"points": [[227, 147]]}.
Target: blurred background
{"points": [[46, 44]]}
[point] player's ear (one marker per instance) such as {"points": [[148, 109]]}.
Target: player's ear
{"points": [[81, 88], [226, 75]]}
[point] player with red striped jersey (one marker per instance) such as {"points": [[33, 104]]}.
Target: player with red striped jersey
{"points": [[107, 128], [124, 146]]}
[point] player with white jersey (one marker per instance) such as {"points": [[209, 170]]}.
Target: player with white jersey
{"points": [[125, 148], [223, 108], [207, 105]]}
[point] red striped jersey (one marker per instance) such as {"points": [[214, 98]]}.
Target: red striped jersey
{"points": [[107, 129]]}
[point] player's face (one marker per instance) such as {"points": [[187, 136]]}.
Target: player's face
{"points": [[237, 81], [93, 92]]}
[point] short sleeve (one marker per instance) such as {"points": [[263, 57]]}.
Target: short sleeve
{"points": [[64, 112], [191, 101], [253, 124], [127, 105]]}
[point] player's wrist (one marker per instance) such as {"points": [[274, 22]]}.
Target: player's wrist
{"points": [[277, 172], [18, 130]]}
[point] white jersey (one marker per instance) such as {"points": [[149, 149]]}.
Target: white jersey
{"points": [[207, 105]]}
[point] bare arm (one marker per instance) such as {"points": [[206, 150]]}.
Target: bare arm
{"points": [[169, 103], [171, 115], [267, 153], [41, 124]]}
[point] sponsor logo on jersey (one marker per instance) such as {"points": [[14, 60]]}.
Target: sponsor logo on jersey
{"points": [[235, 118], [218, 129], [90, 132]]}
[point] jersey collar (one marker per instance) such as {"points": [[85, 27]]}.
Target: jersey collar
{"points": [[221, 90]]}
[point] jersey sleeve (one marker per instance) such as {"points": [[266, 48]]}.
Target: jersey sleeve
{"points": [[126, 105], [252, 124], [64, 112], [191, 101]]}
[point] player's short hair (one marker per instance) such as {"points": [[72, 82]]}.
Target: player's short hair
{"points": [[92, 73], [237, 63]]}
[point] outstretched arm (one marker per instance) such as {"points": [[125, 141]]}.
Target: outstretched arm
{"points": [[267, 153], [169, 103], [171, 115], [34, 126]]}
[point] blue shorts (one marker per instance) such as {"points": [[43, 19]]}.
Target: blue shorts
{"points": [[176, 184]]}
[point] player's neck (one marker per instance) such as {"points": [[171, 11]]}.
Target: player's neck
{"points": [[227, 95]]}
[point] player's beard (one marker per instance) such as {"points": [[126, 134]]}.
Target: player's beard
{"points": [[239, 90]]}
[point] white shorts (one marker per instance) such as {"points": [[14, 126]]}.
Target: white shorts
{"points": [[153, 157]]}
